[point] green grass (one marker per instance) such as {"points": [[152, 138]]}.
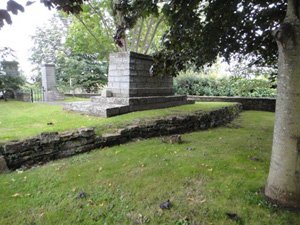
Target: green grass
{"points": [[126, 184], [20, 120]]}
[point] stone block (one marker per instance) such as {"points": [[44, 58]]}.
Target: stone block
{"points": [[48, 137], [86, 132], [106, 93], [3, 165]]}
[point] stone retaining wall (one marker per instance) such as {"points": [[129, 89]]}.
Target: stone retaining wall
{"points": [[260, 104], [51, 146], [82, 95]]}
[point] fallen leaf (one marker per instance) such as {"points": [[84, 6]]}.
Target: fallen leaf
{"points": [[16, 195], [165, 205], [204, 200]]}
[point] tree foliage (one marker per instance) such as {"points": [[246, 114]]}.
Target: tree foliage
{"points": [[82, 71], [48, 43], [14, 7], [92, 30], [9, 83], [202, 30]]}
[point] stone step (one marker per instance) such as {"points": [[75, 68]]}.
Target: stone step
{"points": [[110, 100], [138, 100], [107, 107], [96, 109]]}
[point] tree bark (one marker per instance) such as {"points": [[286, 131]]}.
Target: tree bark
{"points": [[139, 36], [283, 185]]}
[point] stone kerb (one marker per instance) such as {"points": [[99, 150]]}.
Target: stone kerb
{"points": [[52, 146]]}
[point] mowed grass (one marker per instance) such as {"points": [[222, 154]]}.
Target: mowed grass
{"points": [[212, 173], [20, 120]]}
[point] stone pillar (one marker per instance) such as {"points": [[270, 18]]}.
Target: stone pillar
{"points": [[49, 83], [10, 68]]}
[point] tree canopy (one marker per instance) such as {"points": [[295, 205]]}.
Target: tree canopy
{"points": [[199, 30], [202, 30], [14, 7]]}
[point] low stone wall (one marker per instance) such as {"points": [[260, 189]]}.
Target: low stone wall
{"points": [[51, 146], [260, 104], [22, 96], [82, 95]]}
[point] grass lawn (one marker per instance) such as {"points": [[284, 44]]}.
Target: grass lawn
{"points": [[213, 172], [19, 120]]}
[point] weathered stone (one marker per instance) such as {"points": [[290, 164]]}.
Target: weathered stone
{"points": [[51, 146], [261, 104], [128, 79], [106, 93], [86, 132], [3, 166], [49, 83], [48, 137]]}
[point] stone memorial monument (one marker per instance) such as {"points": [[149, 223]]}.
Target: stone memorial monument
{"points": [[130, 88], [49, 84], [10, 68]]}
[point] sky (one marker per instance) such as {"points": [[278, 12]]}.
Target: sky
{"points": [[18, 35]]}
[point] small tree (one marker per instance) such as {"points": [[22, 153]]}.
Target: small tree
{"points": [[9, 84], [81, 70]]}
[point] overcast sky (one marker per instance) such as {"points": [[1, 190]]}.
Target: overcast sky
{"points": [[17, 35]]}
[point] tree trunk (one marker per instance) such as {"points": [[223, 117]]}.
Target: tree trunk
{"points": [[283, 185]]}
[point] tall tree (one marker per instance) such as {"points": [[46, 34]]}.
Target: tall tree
{"points": [[48, 43], [284, 177], [92, 31]]}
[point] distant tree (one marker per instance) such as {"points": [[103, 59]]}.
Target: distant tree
{"points": [[81, 66], [48, 43], [6, 52], [9, 83], [81, 70]]}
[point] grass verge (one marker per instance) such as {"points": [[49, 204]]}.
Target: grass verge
{"points": [[212, 173]]}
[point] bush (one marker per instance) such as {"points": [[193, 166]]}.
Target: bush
{"points": [[195, 84]]}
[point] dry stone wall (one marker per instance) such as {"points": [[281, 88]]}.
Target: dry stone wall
{"points": [[51, 146]]}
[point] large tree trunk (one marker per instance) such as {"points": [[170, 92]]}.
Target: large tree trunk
{"points": [[283, 183]]}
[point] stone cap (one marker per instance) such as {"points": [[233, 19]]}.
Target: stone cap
{"points": [[132, 54], [48, 64]]}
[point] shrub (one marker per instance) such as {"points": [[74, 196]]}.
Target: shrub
{"points": [[195, 84]]}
